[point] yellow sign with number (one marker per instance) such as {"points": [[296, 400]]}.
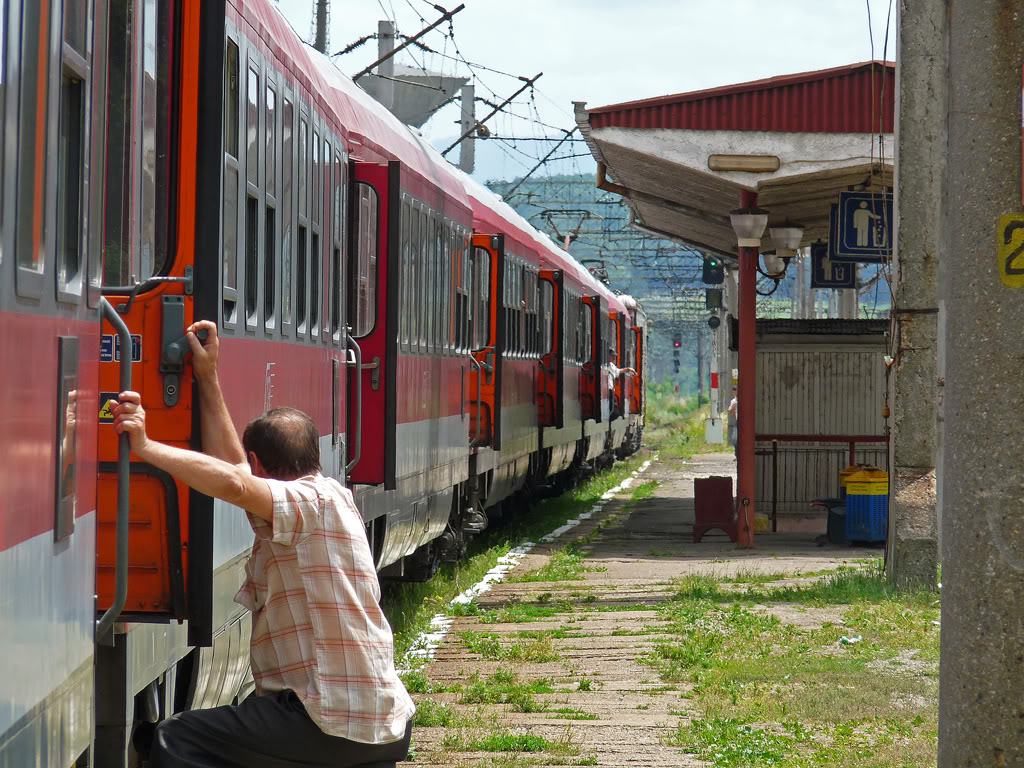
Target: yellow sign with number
{"points": [[1010, 247]]}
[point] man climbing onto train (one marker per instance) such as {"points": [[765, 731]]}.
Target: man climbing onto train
{"points": [[321, 649]]}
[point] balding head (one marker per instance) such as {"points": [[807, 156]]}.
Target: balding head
{"points": [[286, 442]]}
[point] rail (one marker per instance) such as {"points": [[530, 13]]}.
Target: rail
{"points": [[106, 621], [775, 439], [358, 352]]}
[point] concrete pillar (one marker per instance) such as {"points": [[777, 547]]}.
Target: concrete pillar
{"points": [[920, 156], [385, 89], [702, 367], [467, 149], [981, 683]]}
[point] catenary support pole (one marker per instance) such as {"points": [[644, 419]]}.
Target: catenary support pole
{"points": [[981, 681], [747, 385], [920, 166], [467, 150]]}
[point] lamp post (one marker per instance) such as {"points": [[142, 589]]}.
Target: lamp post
{"points": [[748, 222]]}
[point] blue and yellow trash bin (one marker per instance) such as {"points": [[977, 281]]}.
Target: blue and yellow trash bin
{"points": [[867, 505]]}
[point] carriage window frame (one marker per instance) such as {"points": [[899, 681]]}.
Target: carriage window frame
{"points": [[367, 240], [405, 259], [253, 230], [72, 170], [271, 206], [340, 215], [288, 208]]}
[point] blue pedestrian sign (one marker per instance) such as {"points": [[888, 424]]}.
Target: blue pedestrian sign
{"points": [[863, 228], [829, 273]]}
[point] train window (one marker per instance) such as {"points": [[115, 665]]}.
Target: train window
{"points": [[429, 283], [588, 325], [230, 99], [413, 292], [547, 303], [339, 207], [326, 259], [366, 260], [270, 154], [251, 257], [269, 266], [421, 281], [315, 262], [139, 182], [300, 280], [71, 173], [448, 259], [303, 170], [405, 272], [482, 295], [252, 127], [287, 200], [316, 177]]}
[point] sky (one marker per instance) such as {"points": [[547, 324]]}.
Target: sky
{"points": [[602, 52]]}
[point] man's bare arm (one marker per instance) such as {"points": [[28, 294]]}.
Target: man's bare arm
{"points": [[233, 483], [219, 436]]}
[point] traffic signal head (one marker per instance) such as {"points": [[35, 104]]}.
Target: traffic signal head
{"points": [[714, 271]]}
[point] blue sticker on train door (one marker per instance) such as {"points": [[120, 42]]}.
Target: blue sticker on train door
{"points": [[110, 348]]}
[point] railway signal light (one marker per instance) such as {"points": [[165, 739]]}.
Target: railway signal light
{"points": [[714, 271]]}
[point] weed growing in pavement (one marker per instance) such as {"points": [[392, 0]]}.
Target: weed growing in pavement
{"points": [[571, 713], [409, 606], [770, 692], [644, 490], [538, 649], [504, 687], [510, 741], [732, 742], [431, 714]]}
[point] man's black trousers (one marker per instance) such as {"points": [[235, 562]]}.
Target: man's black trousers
{"points": [[272, 731]]}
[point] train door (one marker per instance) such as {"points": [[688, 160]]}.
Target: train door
{"points": [[374, 307], [488, 337], [592, 386], [148, 277], [550, 381]]}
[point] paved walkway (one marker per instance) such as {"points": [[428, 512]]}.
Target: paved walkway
{"points": [[633, 552]]}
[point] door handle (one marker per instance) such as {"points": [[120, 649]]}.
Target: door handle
{"points": [[108, 618]]}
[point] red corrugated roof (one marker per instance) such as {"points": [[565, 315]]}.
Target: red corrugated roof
{"points": [[839, 100]]}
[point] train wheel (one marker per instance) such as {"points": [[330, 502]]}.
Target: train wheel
{"points": [[422, 564]]}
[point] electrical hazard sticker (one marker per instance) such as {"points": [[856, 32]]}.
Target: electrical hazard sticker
{"points": [[106, 407], [1010, 248]]}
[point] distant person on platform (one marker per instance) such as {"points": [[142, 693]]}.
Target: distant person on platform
{"points": [[322, 652], [734, 420]]}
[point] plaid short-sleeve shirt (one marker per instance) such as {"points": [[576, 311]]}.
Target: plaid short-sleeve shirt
{"points": [[317, 626]]}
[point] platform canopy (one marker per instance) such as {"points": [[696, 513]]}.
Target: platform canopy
{"points": [[801, 139]]}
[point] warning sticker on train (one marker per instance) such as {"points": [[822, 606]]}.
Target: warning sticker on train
{"points": [[106, 414], [110, 348]]}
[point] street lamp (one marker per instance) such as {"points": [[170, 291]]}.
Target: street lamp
{"points": [[786, 239], [748, 224]]}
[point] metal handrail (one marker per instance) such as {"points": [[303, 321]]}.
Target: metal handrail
{"points": [[479, 392], [358, 352], [112, 613]]}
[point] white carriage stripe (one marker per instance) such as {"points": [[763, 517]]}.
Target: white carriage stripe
{"points": [[47, 611]]}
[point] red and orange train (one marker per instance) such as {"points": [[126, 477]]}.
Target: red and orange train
{"points": [[171, 160]]}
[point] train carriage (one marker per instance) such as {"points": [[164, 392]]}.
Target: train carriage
{"points": [[171, 160]]}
